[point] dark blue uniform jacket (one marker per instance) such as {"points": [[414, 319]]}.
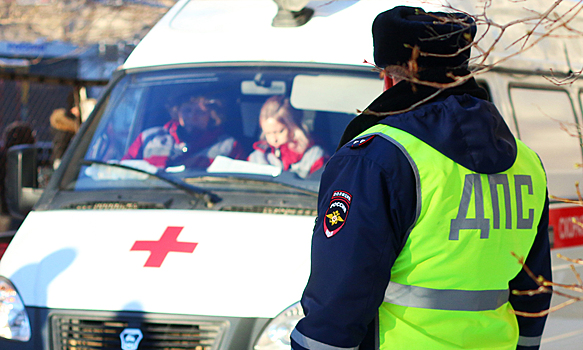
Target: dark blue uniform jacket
{"points": [[351, 270]]}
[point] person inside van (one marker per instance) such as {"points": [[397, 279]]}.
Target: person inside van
{"points": [[193, 138], [284, 141]]}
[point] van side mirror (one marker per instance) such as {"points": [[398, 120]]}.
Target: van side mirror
{"points": [[21, 183], [292, 13]]}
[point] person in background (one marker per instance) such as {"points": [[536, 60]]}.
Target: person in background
{"points": [[421, 209], [16, 133], [65, 123], [284, 142], [193, 138]]}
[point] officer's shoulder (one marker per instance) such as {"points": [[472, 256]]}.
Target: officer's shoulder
{"points": [[373, 147]]}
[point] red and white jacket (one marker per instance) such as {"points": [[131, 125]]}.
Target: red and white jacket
{"points": [[158, 145], [302, 164]]}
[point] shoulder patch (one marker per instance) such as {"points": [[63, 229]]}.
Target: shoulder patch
{"points": [[361, 141], [337, 212]]}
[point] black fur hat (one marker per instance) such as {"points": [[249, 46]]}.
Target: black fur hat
{"points": [[396, 31]]}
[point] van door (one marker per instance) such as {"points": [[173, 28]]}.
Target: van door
{"points": [[547, 123]]}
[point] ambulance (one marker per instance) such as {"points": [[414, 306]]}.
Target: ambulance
{"points": [[118, 254]]}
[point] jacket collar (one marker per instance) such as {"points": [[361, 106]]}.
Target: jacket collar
{"points": [[400, 98]]}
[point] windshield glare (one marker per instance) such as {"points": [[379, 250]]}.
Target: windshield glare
{"points": [[187, 124]]}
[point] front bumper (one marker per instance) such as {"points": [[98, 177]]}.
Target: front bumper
{"points": [[84, 329]]}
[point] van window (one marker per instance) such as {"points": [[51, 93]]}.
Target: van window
{"points": [[201, 126], [546, 122]]}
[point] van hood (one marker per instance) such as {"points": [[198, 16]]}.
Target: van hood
{"points": [[219, 264]]}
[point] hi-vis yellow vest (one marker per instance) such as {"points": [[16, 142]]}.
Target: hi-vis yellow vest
{"points": [[449, 285]]}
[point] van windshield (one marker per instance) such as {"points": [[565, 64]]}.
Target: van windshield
{"points": [[217, 128]]}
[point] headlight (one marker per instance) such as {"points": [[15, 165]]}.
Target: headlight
{"points": [[276, 335], [14, 322]]}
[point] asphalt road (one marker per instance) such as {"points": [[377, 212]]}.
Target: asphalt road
{"points": [[564, 329]]}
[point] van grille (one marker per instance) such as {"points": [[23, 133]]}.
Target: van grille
{"points": [[87, 333], [272, 210], [113, 206]]}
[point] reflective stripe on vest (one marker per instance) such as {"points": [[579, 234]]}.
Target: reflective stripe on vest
{"points": [[312, 344], [449, 284], [443, 299]]}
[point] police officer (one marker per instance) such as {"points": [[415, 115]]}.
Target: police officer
{"points": [[420, 210]]}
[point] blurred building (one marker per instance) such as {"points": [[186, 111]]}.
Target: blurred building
{"points": [[49, 48]]}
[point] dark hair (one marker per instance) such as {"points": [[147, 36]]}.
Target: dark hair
{"points": [[18, 133], [212, 105]]}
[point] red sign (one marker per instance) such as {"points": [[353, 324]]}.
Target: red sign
{"points": [[166, 244], [566, 224]]}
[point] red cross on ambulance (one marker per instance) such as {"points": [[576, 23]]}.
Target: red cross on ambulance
{"points": [[167, 243]]}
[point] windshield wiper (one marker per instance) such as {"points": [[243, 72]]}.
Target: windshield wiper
{"points": [[208, 197], [283, 181]]}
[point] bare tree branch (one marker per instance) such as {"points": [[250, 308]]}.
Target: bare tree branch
{"points": [[540, 26], [544, 285]]}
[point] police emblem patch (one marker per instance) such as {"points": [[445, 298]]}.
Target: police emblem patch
{"points": [[335, 216]]}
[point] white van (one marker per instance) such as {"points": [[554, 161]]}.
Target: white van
{"points": [[118, 254]]}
